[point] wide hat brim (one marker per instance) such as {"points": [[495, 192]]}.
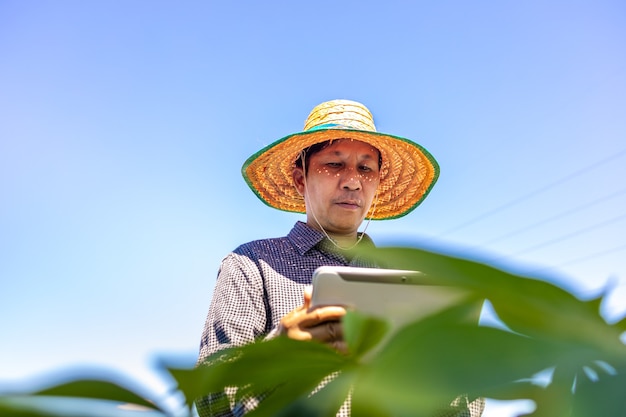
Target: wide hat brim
{"points": [[407, 174]]}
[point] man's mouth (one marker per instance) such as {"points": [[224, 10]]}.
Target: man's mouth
{"points": [[349, 203]]}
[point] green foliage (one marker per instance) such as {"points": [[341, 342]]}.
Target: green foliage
{"points": [[418, 369]]}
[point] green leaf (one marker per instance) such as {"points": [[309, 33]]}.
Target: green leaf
{"points": [[605, 397], [48, 406], [429, 363], [325, 401], [528, 306], [96, 389], [362, 333], [621, 324], [262, 367]]}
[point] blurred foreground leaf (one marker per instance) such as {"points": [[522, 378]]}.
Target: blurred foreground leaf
{"points": [[281, 369], [88, 393], [51, 406], [417, 370], [609, 391], [363, 333], [529, 306], [96, 389]]}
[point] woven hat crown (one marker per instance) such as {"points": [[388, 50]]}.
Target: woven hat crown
{"points": [[344, 113]]}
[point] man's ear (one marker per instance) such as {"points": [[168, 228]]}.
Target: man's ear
{"points": [[298, 180]]}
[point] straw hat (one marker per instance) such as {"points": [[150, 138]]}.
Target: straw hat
{"points": [[407, 174]]}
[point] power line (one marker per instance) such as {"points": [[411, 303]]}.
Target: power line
{"points": [[569, 235], [553, 218], [534, 193], [591, 256]]}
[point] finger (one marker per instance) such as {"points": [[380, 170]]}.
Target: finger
{"points": [[318, 315], [298, 322], [307, 294], [301, 317], [296, 333], [292, 319]]}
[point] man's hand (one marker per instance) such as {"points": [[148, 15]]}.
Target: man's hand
{"points": [[319, 323]]}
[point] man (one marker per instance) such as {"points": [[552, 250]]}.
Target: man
{"points": [[338, 171]]}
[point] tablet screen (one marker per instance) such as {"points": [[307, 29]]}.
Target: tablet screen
{"points": [[399, 296]]}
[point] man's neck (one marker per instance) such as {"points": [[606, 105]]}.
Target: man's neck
{"points": [[344, 241]]}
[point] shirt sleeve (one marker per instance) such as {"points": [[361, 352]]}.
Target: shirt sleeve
{"points": [[237, 315], [238, 311]]}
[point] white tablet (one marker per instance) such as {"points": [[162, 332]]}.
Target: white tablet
{"points": [[399, 296]]}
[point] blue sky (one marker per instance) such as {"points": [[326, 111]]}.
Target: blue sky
{"points": [[125, 124]]}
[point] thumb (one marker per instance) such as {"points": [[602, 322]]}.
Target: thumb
{"points": [[308, 293]]}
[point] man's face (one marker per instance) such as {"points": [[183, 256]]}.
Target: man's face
{"points": [[340, 185]]}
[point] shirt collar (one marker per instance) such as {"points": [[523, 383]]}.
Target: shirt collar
{"points": [[305, 238]]}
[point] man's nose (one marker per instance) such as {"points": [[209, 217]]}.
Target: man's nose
{"points": [[351, 180]]}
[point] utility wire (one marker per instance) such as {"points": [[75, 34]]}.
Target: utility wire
{"points": [[588, 257], [534, 193], [553, 218], [569, 235]]}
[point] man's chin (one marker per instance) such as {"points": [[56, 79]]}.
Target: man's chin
{"points": [[345, 227]]}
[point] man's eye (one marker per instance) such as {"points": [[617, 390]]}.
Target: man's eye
{"points": [[334, 164], [366, 168]]}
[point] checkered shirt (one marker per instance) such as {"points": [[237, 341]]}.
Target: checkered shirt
{"points": [[259, 283]]}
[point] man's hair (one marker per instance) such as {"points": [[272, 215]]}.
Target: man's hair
{"points": [[307, 153]]}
